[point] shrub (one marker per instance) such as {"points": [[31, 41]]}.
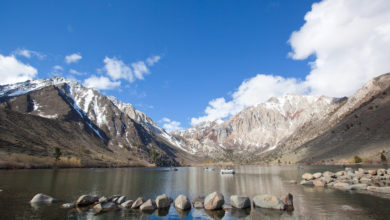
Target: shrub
{"points": [[383, 157], [357, 159]]}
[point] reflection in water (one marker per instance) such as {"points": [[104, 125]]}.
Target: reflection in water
{"points": [[67, 184]]}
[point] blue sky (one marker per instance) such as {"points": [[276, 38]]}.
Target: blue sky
{"points": [[207, 49]]}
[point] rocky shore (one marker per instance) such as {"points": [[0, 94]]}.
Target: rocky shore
{"points": [[213, 203], [374, 180]]}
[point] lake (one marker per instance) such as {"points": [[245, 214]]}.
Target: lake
{"points": [[19, 186]]}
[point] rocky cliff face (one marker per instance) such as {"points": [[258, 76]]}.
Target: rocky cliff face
{"points": [[117, 126], [359, 126]]}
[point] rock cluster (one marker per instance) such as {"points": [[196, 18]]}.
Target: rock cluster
{"points": [[349, 179], [213, 203]]}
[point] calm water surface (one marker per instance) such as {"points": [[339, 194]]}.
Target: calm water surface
{"points": [[19, 186]]}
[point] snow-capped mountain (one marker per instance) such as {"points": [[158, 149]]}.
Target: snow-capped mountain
{"points": [[117, 124], [261, 127]]}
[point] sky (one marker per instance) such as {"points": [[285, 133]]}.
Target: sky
{"points": [[187, 62]]}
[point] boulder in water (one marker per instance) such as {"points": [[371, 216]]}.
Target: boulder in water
{"points": [[42, 198], [240, 202], [182, 202], [268, 201], [163, 201], [148, 206], [137, 203], [86, 200], [214, 201]]}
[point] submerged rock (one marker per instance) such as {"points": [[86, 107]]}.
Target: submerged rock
{"points": [[359, 186], [306, 183], [86, 200], [385, 189], [182, 202], [198, 202], [240, 202], [214, 201], [137, 203], [148, 206], [42, 198], [67, 205], [268, 201], [105, 207], [163, 201]]}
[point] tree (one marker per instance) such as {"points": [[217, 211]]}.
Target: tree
{"points": [[57, 154], [383, 157], [357, 159]]}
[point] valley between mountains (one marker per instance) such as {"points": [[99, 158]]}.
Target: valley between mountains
{"points": [[41, 117]]}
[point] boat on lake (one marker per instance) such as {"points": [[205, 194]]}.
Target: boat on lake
{"points": [[227, 171], [209, 169]]}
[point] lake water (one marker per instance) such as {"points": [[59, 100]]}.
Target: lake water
{"points": [[19, 186]]}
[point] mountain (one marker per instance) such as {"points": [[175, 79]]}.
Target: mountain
{"points": [[39, 116], [359, 127], [259, 128], [297, 128]]}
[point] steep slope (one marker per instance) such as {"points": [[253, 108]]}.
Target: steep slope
{"points": [[258, 128], [97, 119], [358, 127]]}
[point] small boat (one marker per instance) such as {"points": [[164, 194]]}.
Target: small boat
{"points": [[227, 171]]}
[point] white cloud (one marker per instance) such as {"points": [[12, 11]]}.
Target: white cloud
{"points": [[140, 69], [28, 53], [350, 40], [13, 71], [170, 125], [152, 60], [351, 43], [116, 69], [73, 58], [75, 72], [101, 82], [56, 70], [251, 92]]}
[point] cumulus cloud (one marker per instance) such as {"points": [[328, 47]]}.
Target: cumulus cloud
{"points": [[140, 69], [251, 92], [28, 53], [350, 40], [101, 82], [116, 69], [170, 125], [152, 60], [73, 58], [13, 70]]}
